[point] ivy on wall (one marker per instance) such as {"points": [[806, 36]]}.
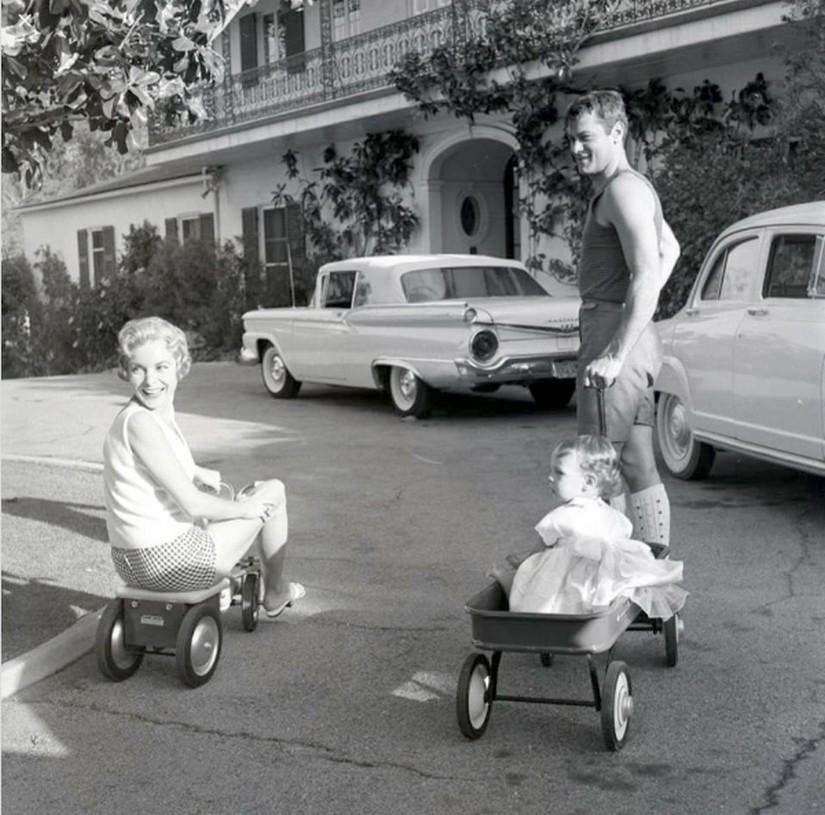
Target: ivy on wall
{"points": [[363, 192]]}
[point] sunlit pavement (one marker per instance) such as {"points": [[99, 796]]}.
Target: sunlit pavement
{"points": [[346, 704]]}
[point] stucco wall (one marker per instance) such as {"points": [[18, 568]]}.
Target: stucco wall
{"points": [[57, 226]]}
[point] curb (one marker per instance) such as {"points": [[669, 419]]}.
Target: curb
{"points": [[51, 656]]}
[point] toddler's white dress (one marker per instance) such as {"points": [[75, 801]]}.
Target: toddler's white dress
{"points": [[591, 560]]}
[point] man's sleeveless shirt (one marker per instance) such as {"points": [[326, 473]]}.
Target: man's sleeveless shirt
{"points": [[603, 271]]}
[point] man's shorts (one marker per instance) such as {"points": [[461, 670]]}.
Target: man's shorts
{"points": [[630, 400], [187, 563]]}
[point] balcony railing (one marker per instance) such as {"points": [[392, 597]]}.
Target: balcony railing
{"points": [[358, 64]]}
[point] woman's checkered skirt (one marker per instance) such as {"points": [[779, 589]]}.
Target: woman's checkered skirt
{"points": [[185, 564]]}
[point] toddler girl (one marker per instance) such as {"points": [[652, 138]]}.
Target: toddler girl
{"points": [[589, 559]]}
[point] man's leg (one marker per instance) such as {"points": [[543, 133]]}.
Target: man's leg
{"points": [[648, 504]]}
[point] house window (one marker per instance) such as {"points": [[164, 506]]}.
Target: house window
{"points": [[276, 242], [96, 254], [191, 227], [346, 18]]}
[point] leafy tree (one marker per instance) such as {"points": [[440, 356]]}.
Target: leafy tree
{"points": [[108, 62]]}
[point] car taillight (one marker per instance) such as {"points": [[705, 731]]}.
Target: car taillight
{"points": [[484, 345]]}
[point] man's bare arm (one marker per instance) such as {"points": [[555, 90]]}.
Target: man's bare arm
{"points": [[669, 251]]}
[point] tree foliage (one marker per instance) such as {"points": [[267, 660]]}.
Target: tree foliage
{"points": [[108, 62]]}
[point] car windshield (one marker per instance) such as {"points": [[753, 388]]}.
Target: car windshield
{"points": [[430, 285]]}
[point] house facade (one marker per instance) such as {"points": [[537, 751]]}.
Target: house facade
{"points": [[302, 80]]}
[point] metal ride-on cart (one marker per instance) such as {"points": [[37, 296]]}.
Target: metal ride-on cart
{"points": [[186, 625]]}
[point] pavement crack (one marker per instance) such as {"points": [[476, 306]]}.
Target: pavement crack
{"points": [[806, 748], [287, 746]]}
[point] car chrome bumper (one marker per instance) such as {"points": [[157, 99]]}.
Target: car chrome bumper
{"points": [[247, 356], [518, 369]]}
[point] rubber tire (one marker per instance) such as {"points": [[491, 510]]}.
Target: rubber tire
{"points": [[417, 401], [475, 675], [546, 659], [280, 386], [671, 632], [199, 625], [683, 456], [113, 660], [552, 394], [250, 605], [616, 695]]}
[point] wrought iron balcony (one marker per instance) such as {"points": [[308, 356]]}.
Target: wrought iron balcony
{"points": [[358, 64]]}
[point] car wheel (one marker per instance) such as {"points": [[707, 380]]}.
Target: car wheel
{"points": [[683, 455], [552, 393], [277, 379], [410, 396]]}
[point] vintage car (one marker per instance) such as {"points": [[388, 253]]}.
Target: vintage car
{"points": [[744, 365], [415, 324]]}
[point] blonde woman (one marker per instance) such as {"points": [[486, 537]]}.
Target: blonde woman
{"points": [[166, 533]]}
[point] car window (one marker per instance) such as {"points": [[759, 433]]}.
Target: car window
{"points": [[430, 285], [363, 289], [740, 266], [338, 289], [790, 266], [713, 284]]}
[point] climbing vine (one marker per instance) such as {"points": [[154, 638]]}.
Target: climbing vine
{"points": [[517, 63], [362, 191]]}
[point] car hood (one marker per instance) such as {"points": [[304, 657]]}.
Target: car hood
{"points": [[556, 314]]}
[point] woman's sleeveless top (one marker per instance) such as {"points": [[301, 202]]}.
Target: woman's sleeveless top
{"points": [[603, 271], [139, 512]]}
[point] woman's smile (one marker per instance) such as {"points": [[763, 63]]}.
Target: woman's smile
{"points": [[153, 373]]}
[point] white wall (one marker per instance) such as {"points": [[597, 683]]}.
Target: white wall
{"points": [[56, 225]]}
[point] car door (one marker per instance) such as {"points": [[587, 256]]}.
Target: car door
{"points": [[780, 348], [324, 334], [706, 333]]}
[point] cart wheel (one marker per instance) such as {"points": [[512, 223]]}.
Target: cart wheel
{"points": [[546, 659], [114, 659], [198, 644], [250, 607], [473, 701], [673, 627], [617, 705]]}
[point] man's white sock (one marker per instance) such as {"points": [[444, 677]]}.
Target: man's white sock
{"points": [[650, 513]]}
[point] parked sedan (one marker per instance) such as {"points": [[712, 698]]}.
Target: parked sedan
{"points": [[415, 324], [744, 364]]}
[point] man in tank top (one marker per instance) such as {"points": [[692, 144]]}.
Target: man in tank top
{"points": [[628, 252]]}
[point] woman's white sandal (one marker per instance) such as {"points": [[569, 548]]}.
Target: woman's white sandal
{"points": [[296, 592]]}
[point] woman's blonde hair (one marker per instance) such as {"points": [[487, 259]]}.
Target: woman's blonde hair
{"points": [[595, 456], [146, 329]]}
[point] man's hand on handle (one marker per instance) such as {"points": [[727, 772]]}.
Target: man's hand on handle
{"points": [[602, 371]]}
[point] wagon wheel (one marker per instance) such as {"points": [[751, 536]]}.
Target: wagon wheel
{"points": [[546, 659], [617, 705], [473, 700], [672, 628], [552, 394], [114, 659], [410, 396], [276, 376], [198, 645], [250, 607]]}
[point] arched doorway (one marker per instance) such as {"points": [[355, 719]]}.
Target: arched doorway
{"points": [[476, 210]]}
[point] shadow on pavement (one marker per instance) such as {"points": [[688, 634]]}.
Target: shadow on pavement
{"points": [[68, 515]]}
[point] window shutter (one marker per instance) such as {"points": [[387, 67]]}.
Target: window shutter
{"points": [[208, 228], [171, 228], [83, 257], [249, 49], [293, 23], [108, 252], [249, 225]]}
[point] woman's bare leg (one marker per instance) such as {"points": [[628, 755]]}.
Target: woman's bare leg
{"points": [[233, 539]]}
